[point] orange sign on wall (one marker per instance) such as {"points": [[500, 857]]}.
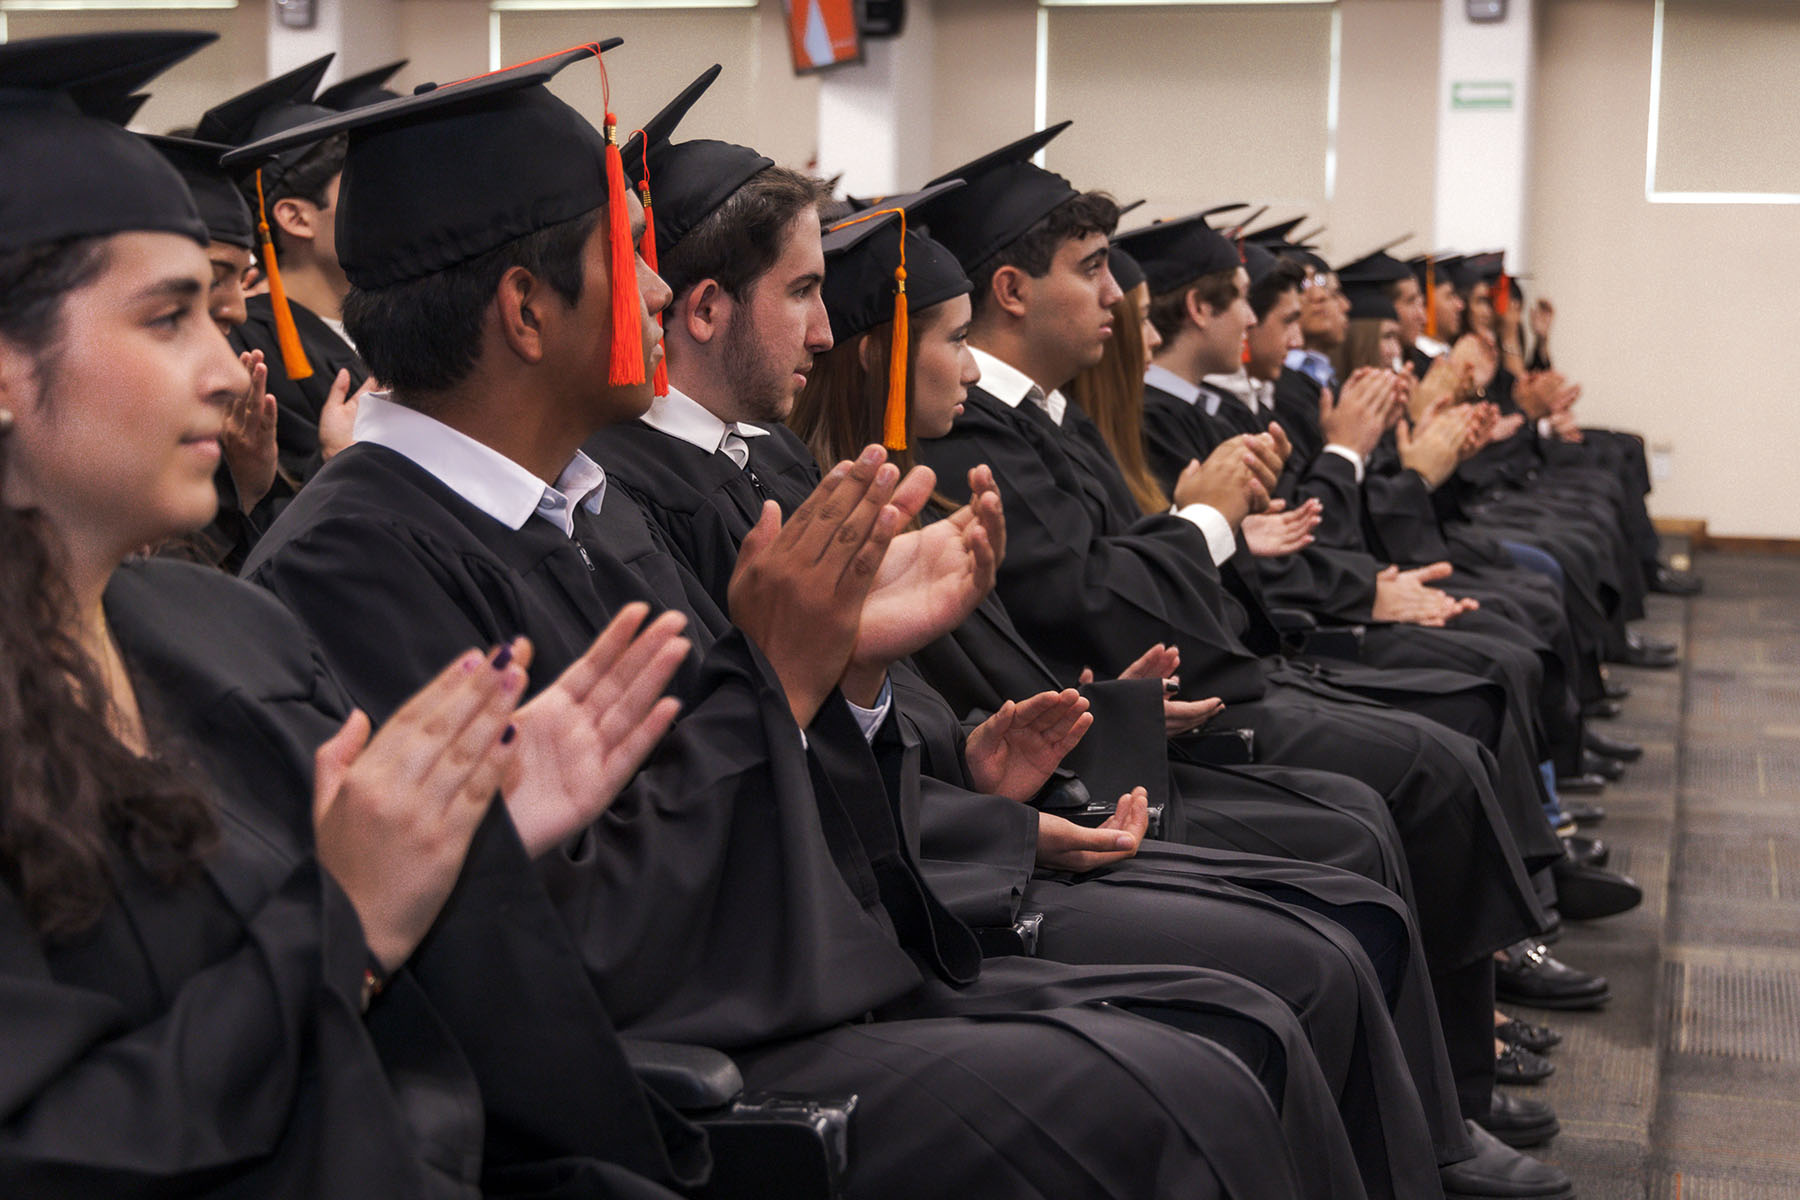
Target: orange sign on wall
{"points": [[822, 33]]}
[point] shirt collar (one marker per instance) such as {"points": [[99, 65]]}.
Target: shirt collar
{"points": [[1162, 378], [1009, 385], [478, 473], [1239, 385], [681, 416]]}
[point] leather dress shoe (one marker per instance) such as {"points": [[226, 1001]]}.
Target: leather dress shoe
{"points": [[1526, 974], [1520, 1121], [1497, 1170], [1585, 785], [1517, 1065], [1642, 652], [1614, 748], [1586, 851], [1672, 582], [1536, 1038], [1602, 710], [1609, 769], [1612, 689], [1585, 893], [1583, 812]]}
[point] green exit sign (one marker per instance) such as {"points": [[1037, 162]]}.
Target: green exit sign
{"points": [[1492, 95]]}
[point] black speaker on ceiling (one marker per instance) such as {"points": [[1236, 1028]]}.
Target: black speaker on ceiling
{"points": [[881, 18]]}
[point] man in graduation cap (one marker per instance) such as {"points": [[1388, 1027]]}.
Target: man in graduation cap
{"points": [[297, 324], [750, 889]]}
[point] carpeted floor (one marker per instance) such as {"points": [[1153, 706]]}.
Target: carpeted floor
{"points": [[1687, 1087]]}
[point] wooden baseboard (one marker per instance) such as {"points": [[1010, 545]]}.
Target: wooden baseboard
{"points": [[1694, 529]]}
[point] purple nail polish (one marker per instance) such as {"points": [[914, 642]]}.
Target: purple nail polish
{"points": [[512, 731], [503, 658]]}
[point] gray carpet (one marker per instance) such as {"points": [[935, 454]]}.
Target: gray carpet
{"points": [[1688, 1086]]}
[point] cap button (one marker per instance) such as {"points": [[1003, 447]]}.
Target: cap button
{"points": [[423, 88]]}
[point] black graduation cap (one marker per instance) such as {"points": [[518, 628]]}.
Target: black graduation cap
{"points": [[269, 108], [1485, 268], [880, 268], [124, 110], [1443, 270], [1276, 234], [687, 180], [358, 90], [1131, 207], [1006, 195], [1175, 253], [66, 170], [1259, 261], [1369, 300], [221, 205], [1127, 272], [1378, 266]]}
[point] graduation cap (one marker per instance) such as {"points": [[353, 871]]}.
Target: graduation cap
{"points": [[267, 109], [1369, 300], [124, 110], [691, 179], [1006, 195], [1259, 261], [877, 270], [1177, 252], [1131, 208], [1378, 266], [1127, 272], [440, 177], [221, 205], [358, 90], [1276, 234], [68, 171]]}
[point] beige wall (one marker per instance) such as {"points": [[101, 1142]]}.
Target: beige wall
{"points": [[1677, 318]]}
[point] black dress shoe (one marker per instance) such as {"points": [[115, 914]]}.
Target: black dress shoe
{"points": [[1671, 582], [1649, 644], [1583, 812], [1602, 710], [1609, 769], [1613, 748], [1585, 785], [1536, 1038], [1497, 1170], [1656, 658], [1587, 851], [1526, 974], [1517, 1065], [1590, 893], [1520, 1121]]}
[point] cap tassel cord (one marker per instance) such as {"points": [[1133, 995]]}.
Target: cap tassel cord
{"points": [[1431, 321], [627, 365], [893, 421], [647, 248], [1503, 295], [287, 334]]}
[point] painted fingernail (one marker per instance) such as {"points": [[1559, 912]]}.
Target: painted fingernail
{"points": [[512, 731], [503, 657]]}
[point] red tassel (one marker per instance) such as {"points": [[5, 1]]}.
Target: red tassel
{"points": [[1431, 297], [287, 334], [627, 365], [1502, 295], [647, 249]]}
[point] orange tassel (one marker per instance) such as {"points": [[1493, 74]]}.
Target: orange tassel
{"points": [[287, 335], [647, 249], [1430, 297], [893, 426], [1502, 295], [627, 365]]}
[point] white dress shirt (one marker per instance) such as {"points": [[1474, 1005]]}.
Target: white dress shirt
{"points": [[1012, 387], [1221, 543], [681, 416]]}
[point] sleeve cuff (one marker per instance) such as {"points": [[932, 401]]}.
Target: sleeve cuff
{"points": [[1346, 452], [869, 720], [1221, 543], [1544, 428]]}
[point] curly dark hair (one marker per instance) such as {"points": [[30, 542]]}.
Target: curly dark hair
{"points": [[1035, 250], [739, 241], [71, 794]]}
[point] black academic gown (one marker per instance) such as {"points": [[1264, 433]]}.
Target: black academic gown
{"points": [[206, 1039], [737, 895]]}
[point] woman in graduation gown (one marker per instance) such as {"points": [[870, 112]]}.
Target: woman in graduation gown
{"points": [[210, 954]]}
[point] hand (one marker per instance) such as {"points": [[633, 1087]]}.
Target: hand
{"points": [[1563, 426], [393, 816], [1066, 846], [1280, 530], [248, 440], [582, 738], [1543, 317], [799, 585], [930, 581], [1179, 716], [1436, 448], [1358, 420], [337, 419], [1477, 356], [1406, 596], [1013, 752], [1233, 480], [1441, 386], [1507, 426]]}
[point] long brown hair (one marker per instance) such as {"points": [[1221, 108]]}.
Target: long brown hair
{"points": [[841, 408], [1111, 392], [1361, 347], [70, 792]]}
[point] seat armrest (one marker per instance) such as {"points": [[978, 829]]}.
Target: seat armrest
{"points": [[1335, 641], [1292, 621], [1221, 747], [1020, 939], [688, 1078]]}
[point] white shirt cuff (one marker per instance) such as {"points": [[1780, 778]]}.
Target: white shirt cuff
{"points": [[869, 720], [1220, 541], [1346, 452], [1544, 428]]}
